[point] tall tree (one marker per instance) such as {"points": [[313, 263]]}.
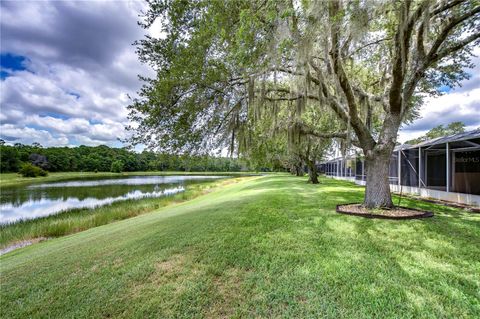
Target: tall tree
{"points": [[222, 63]]}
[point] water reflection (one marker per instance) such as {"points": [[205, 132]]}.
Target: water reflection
{"points": [[39, 200], [134, 180], [44, 207]]}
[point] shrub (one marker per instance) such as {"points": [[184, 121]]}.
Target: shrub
{"points": [[117, 166], [30, 170], [42, 172]]}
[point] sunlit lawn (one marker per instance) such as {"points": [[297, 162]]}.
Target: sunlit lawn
{"points": [[267, 247], [76, 220]]}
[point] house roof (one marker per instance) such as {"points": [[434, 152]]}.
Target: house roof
{"points": [[460, 137], [457, 141]]}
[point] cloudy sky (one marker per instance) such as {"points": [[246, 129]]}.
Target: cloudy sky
{"points": [[67, 68], [459, 104]]}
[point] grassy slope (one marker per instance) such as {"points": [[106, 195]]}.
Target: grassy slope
{"points": [[14, 179], [268, 247], [76, 220]]}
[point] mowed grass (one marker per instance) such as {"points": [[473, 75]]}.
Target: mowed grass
{"points": [[265, 247], [76, 220]]}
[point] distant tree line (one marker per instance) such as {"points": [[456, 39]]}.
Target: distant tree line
{"points": [[439, 131], [105, 159]]}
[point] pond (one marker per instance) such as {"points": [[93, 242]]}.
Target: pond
{"points": [[39, 200]]}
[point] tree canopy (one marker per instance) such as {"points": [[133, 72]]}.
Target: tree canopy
{"points": [[105, 159], [224, 66], [439, 131]]}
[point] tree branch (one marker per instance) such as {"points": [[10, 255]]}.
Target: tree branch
{"points": [[446, 31], [222, 121], [306, 130], [434, 56], [460, 45], [368, 44], [403, 36], [364, 94], [447, 6], [309, 131], [285, 70], [292, 98], [359, 127]]}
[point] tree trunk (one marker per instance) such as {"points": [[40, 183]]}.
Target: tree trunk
{"points": [[293, 170], [377, 192], [299, 170], [312, 172]]}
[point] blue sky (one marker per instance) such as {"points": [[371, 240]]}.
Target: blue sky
{"points": [[11, 62], [67, 68]]}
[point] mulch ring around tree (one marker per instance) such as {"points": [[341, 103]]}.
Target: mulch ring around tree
{"points": [[398, 212]]}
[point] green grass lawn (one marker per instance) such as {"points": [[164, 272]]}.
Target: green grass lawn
{"points": [[265, 247], [76, 220]]}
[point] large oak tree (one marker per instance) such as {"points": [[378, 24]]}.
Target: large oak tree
{"points": [[222, 63]]}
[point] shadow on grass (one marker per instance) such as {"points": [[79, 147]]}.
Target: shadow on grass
{"points": [[275, 248]]}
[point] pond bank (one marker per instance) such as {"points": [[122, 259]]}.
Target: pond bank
{"points": [[77, 220], [20, 244]]}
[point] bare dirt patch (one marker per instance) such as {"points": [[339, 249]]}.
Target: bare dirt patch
{"points": [[397, 212], [173, 264], [228, 287], [172, 274]]}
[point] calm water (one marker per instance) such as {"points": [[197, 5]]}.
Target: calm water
{"points": [[38, 200]]}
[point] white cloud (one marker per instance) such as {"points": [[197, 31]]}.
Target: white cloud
{"points": [[81, 65], [460, 104], [27, 135]]}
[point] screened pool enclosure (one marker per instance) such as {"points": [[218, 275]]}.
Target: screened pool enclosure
{"points": [[444, 168]]}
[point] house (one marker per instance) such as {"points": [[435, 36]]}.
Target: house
{"points": [[445, 168]]}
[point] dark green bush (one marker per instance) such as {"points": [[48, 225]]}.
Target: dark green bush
{"points": [[42, 172], [30, 170], [117, 166]]}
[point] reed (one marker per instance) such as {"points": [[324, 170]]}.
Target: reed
{"points": [[77, 220]]}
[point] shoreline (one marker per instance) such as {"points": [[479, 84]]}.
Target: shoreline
{"points": [[14, 179], [21, 244], [80, 219]]}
